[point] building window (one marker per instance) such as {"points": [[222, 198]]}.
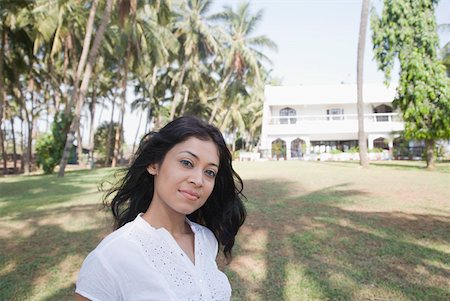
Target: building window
{"points": [[279, 149], [288, 112], [380, 143], [298, 148], [382, 110], [335, 114]]}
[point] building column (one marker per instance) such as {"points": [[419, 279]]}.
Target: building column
{"points": [[308, 145], [370, 139], [269, 148], [288, 148], [391, 149]]}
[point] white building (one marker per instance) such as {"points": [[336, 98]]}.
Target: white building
{"points": [[310, 120]]}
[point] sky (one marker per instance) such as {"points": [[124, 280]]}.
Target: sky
{"points": [[317, 42], [317, 39]]}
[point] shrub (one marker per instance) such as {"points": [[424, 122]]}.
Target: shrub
{"points": [[101, 141], [376, 150], [354, 150], [50, 147], [335, 151]]}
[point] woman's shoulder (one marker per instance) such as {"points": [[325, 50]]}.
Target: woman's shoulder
{"points": [[121, 239], [114, 237]]}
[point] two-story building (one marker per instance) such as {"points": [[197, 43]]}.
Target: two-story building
{"points": [[303, 121]]}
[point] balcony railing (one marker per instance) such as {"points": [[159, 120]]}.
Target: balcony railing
{"points": [[374, 117]]}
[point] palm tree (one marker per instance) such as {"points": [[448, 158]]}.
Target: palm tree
{"points": [[364, 162], [158, 44], [244, 56], [84, 86], [2, 96], [134, 21], [198, 42], [24, 77]]}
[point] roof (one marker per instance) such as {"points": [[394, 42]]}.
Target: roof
{"points": [[327, 94]]}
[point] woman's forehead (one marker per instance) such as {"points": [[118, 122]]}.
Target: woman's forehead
{"points": [[206, 150]]}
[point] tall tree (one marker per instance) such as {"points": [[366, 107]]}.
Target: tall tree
{"points": [[406, 31], [244, 52], [2, 97], [198, 41], [84, 86], [362, 140]]}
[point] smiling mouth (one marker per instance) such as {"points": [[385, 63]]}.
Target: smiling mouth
{"points": [[190, 195]]}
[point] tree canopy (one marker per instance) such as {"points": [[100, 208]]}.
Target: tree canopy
{"points": [[71, 56], [406, 33]]}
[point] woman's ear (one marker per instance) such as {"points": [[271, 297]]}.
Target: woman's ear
{"points": [[152, 169]]}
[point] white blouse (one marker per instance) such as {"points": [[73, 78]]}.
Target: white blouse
{"points": [[139, 262]]}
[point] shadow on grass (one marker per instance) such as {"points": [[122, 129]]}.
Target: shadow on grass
{"points": [[318, 251], [314, 250], [45, 257]]}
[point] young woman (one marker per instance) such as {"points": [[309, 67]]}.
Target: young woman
{"points": [[178, 204]]}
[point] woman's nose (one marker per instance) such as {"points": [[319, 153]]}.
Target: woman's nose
{"points": [[196, 177]]}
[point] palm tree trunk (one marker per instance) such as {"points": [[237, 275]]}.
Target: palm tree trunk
{"points": [[151, 92], [14, 144], [137, 132], [84, 86], [4, 156], [91, 126], [364, 162], [20, 97], [30, 124], [219, 97], [64, 72], [225, 119], [2, 99], [22, 146], [118, 144], [110, 128], [73, 57], [177, 93], [99, 118], [185, 100], [80, 148], [86, 44], [28, 150]]}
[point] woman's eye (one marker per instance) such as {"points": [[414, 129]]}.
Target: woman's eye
{"points": [[186, 163], [210, 173]]}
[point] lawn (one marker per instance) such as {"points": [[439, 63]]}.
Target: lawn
{"points": [[315, 231]]}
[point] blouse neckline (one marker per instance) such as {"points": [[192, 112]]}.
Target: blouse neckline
{"points": [[164, 233]]}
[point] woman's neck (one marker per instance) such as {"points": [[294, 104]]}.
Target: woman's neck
{"points": [[159, 217]]}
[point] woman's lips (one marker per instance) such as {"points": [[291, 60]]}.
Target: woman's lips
{"points": [[189, 194]]}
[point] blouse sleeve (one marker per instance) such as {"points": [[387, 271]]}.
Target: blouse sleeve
{"points": [[96, 281]]}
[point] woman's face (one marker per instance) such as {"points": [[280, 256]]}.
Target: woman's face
{"points": [[186, 177]]}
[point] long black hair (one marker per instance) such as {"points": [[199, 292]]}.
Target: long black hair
{"points": [[224, 211]]}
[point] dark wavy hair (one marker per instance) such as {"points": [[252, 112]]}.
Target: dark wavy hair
{"points": [[224, 211]]}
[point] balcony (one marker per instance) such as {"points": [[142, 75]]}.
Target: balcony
{"points": [[346, 123], [374, 117]]}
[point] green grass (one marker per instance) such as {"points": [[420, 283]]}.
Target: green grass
{"points": [[315, 231]]}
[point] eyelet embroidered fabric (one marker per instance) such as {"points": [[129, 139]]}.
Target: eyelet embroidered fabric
{"points": [[202, 282]]}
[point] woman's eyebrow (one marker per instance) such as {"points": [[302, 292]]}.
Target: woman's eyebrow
{"points": [[196, 157]]}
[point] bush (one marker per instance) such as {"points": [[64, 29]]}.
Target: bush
{"points": [[335, 151], [50, 147], [45, 151], [354, 150], [376, 150], [101, 141]]}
